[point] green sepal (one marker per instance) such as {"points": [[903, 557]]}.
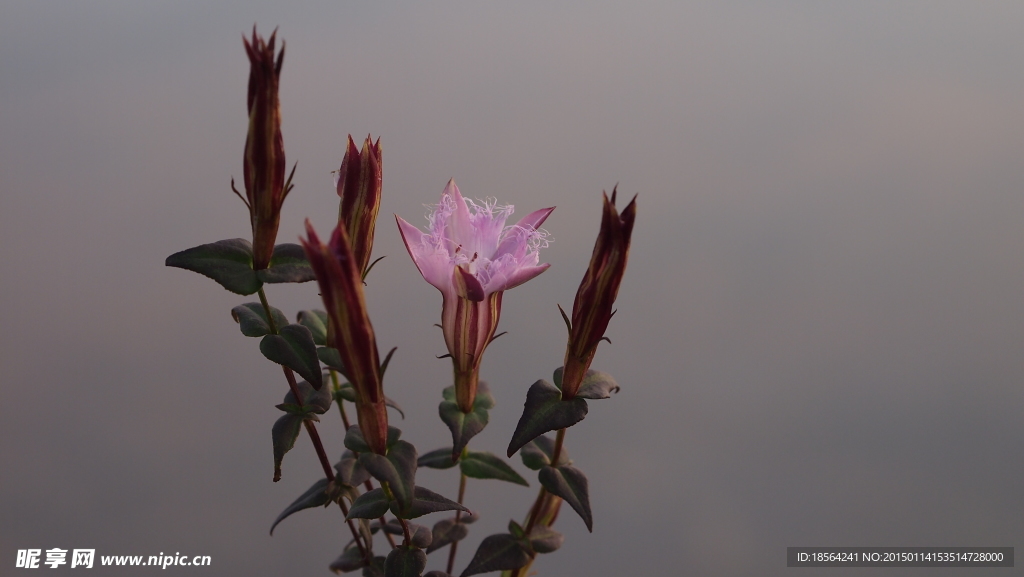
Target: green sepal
{"points": [[369, 505], [331, 357], [315, 496], [499, 552], [426, 501], [252, 319], [228, 262], [437, 459], [350, 560], [483, 465], [545, 411], [545, 539], [294, 348], [288, 263], [350, 471], [284, 433], [465, 426], [313, 401], [515, 529], [595, 385], [376, 568], [316, 322], [397, 469], [537, 453], [446, 531], [571, 485], [405, 561], [355, 442]]}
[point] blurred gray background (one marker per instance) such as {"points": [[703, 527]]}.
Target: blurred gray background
{"points": [[818, 336]]}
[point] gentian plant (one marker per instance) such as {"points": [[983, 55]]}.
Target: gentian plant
{"points": [[330, 356]]}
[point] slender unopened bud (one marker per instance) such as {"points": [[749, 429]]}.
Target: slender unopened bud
{"points": [[264, 162], [592, 308], [359, 183], [349, 329]]}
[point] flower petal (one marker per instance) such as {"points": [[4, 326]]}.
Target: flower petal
{"points": [[432, 264], [514, 244]]}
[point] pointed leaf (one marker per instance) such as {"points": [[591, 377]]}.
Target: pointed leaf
{"points": [[571, 485], [464, 426], [545, 539], [369, 505], [499, 552], [313, 401], [294, 348], [405, 561], [315, 496], [537, 453], [420, 534], [345, 392], [397, 469], [482, 465], [545, 411], [252, 319], [355, 442], [284, 433], [447, 531], [350, 560], [228, 262], [437, 459], [316, 322], [427, 501], [331, 357], [597, 385], [287, 264], [350, 471]]}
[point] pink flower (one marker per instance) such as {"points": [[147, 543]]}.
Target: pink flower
{"points": [[471, 256]]}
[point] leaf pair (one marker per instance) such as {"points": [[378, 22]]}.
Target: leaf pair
{"points": [[230, 263], [474, 464]]}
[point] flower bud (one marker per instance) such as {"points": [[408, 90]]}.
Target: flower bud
{"points": [[349, 329], [359, 183], [264, 161], [592, 308]]}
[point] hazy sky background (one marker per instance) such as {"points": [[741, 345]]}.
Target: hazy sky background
{"points": [[818, 336]]}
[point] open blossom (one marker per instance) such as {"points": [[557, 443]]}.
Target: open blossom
{"points": [[471, 256], [349, 329], [592, 309]]}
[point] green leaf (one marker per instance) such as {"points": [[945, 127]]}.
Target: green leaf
{"points": [[484, 399], [537, 453], [446, 531], [437, 459], [375, 569], [545, 539], [284, 433], [515, 529], [252, 319], [331, 357], [595, 385], [482, 465], [228, 262], [571, 485], [350, 560], [545, 411], [426, 501], [316, 322], [499, 552], [315, 496], [345, 392], [464, 426], [350, 471], [397, 469], [287, 264], [355, 442], [294, 348], [405, 561], [421, 535], [313, 401], [369, 505]]}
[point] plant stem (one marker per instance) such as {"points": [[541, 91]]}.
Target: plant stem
{"points": [[314, 436], [341, 405], [458, 515]]}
